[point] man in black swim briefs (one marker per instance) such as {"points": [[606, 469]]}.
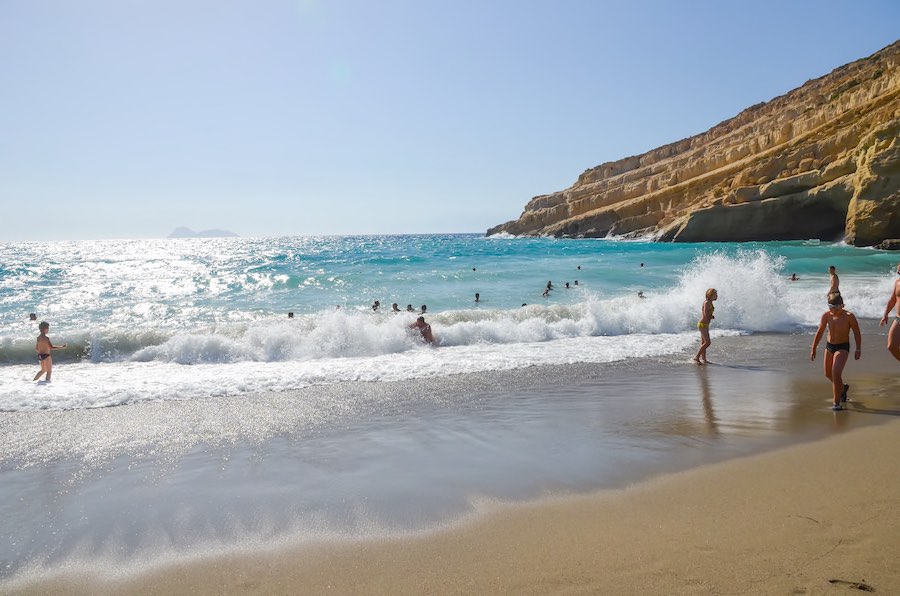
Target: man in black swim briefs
{"points": [[839, 323]]}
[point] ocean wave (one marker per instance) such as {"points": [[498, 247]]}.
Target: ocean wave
{"points": [[754, 296]]}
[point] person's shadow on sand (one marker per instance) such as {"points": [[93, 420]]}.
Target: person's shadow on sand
{"points": [[856, 406]]}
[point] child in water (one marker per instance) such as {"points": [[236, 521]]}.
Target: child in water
{"points": [[840, 323], [706, 316], [43, 346]]}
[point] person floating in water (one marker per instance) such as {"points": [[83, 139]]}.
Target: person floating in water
{"points": [[641, 294], [839, 323], [423, 309], [706, 317], [423, 328], [409, 308], [549, 285], [794, 277], [395, 308], [376, 305], [43, 347], [477, 297], [893, 343]]}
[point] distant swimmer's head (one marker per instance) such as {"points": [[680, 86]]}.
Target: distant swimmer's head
{"points": [[32, 316], [835, 300], [43, 326], [711, 294]]}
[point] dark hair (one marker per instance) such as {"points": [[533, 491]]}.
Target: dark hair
{"points": [[43, 325], [834, 299]]}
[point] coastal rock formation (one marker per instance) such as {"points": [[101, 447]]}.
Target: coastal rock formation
{"points": [[822, 161], [890, 244]]}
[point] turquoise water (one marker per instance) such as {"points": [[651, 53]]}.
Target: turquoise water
{"points": [[148, 310]]}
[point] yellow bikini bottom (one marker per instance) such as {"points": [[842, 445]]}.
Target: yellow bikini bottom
{"points": [[701, 324]]}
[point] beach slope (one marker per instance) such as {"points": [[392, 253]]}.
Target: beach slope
{"points": [[816, 518]]}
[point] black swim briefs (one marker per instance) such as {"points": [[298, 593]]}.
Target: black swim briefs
{"points": [[837, 347]]}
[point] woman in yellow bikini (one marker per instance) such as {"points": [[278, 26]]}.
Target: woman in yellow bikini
{"points": [[706, 316]]}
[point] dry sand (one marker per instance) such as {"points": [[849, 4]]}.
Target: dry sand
{"points": [[816, 518]]}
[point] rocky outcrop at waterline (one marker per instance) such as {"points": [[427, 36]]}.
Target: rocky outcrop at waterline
{"points": [[822, 161]]}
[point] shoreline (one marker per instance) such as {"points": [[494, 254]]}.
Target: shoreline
{"points": [[428, 472], [785, 521]]}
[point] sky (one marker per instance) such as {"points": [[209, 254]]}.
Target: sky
{"points": [[129, 118]]}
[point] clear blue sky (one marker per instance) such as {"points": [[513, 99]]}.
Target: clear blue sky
{"points": [[127, 118]]}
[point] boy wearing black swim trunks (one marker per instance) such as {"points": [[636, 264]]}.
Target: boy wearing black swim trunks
{"points": [[839, 323], [43, 346]]}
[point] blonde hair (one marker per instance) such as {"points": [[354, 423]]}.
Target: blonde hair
{"points": [[710, 292]]}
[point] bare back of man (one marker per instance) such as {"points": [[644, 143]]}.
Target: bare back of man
{"points": [[835, 285]]}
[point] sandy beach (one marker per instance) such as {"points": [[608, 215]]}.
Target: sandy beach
{"points": [[817, 518], [700, 489]]}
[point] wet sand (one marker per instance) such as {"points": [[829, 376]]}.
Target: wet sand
{"points": [[644, 477], [817, 518]]}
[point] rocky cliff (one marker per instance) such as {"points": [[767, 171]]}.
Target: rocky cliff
{"points": [[822, 161]]}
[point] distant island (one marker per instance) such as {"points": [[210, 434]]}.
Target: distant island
{"points": [[182, 232], [822, 161]]}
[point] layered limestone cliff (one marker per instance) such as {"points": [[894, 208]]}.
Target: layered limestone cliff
{"points": [[822, 161]]}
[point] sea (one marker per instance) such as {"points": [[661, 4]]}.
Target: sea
{"points": [[228, 394], [181, 319]]}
